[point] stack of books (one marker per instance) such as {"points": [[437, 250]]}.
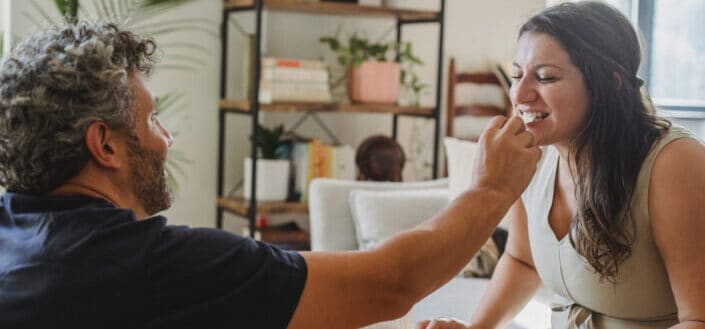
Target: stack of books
{"points": [[293, 80], [315, 159]]}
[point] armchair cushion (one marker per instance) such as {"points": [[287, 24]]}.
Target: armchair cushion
{"points": [[332, 227], [377, 215], [460, 157]]}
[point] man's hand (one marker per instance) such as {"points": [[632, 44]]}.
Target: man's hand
{"points": [[442, 323], [507, 158]]}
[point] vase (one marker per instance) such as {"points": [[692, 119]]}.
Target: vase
{"points": [[272, 179], [374, 82]]}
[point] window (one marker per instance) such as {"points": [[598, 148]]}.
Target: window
{"points": [[677, 72], [674, 51]]}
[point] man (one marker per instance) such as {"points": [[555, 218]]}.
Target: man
{"points": [[82, 156]]}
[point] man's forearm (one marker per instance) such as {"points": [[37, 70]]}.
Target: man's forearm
{"points": [[431, 254]]}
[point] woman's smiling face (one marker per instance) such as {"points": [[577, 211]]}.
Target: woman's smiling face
{"points": [[548, 90]]}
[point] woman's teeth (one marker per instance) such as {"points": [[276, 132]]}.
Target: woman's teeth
{"points": [[529, 117]]}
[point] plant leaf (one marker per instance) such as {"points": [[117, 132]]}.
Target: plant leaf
{"points": [[42, 13]]}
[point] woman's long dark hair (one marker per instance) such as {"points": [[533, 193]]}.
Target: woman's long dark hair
{"points": [[619, 130]]}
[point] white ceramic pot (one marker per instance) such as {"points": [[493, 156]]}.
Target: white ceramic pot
{"points": [[272, 179]]}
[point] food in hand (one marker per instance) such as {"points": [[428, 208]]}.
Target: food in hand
{"points": [[529, 117]]}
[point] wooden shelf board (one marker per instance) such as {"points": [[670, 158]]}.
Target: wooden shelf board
{"points": [[243, 106], [333, 8], [240, 207]]}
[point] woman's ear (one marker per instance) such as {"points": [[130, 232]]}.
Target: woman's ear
{"points": [[102, 143]]}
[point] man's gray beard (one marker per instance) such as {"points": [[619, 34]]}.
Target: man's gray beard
{"points": [[148, 180]]}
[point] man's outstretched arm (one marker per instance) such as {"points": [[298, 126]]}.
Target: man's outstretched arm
{"points": [[352, 289]]}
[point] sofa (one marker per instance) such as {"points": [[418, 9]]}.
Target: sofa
{"points": [[347, 215]]}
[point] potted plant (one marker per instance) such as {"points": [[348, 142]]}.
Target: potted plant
{"points": [[272, 168], [372, 77]]}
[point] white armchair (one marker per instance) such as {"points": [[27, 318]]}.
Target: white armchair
{"points": [[334, 229]]}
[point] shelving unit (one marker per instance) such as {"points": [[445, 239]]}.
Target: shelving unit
{"points": [[249, 209]]}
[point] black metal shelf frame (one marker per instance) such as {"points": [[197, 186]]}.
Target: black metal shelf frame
{"points": [[255, 108]]}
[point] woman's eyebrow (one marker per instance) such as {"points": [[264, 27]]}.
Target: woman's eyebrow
{"points": [[538, 66]]}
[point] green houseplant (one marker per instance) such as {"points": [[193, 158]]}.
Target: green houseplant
{"points": [[359, 52], [272, 167], [269, 142]]}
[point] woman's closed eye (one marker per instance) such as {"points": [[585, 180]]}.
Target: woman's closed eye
{"points": [[546, 79], [539, 78]]}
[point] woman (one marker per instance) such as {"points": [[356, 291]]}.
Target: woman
{"points": [[613, 220]]}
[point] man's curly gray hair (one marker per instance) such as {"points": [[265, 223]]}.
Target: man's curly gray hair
{"points": [[52, 87]]}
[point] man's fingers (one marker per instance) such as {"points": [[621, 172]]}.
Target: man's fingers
{"points": [[527, 139], [515, 125], [423, 324], [497, 122]]}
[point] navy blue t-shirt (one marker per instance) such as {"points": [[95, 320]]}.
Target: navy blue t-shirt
{"points": [[80, 262]]}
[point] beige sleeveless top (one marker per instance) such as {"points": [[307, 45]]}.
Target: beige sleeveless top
{"points": [[642, 296]]}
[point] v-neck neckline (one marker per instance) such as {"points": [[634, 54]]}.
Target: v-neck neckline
{"points": [[552, 191]]}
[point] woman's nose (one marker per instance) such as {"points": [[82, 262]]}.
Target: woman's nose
{"points": [[522, 91]]}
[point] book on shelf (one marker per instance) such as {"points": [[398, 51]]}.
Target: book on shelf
{"points": [[315, 159], [293, 80], [297, 91], [291, 62], [294, 74]]}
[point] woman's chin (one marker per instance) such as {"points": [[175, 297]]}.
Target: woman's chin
{"points": [[539, 139]]}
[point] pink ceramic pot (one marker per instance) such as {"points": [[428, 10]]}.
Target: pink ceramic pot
{"points": [[374, 82]]}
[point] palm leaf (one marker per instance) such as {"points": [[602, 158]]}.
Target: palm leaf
{"points": [[122, 8], [186, 59], [68, 9], [166, 101], [162, 30], [176, 67], [185, 45], [102, 9], [43, 13], [149, 9]]}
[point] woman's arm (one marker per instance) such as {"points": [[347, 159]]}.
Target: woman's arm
{"points": [[677, 210], [514, 281]]}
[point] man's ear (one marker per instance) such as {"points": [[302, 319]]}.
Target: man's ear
{"points": [[103, 144]]}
